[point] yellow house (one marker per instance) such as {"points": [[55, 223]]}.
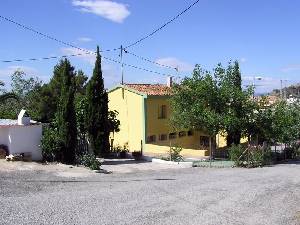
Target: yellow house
{"points": [[144, 112]]}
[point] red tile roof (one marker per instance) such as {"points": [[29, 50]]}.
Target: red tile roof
{"points": [[151, 89]]}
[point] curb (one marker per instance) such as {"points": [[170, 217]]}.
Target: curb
{"points": [[183, 164]]}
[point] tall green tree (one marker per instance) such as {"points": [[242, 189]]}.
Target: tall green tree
{"points": [[196, 104], [212, 102], [47, 99], [235, 106], [66, 116], [24, 88], [97, 124], [49, 94]]}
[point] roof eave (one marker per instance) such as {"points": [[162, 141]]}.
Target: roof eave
{"points": [[128, 89]]}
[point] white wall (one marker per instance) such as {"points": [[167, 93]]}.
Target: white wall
{"points": [[25, 139], [4, 136]]}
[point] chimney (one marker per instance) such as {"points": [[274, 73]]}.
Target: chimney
{"points": [[23, 118], [169, 81]]}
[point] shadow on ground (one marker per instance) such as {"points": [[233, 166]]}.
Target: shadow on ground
{"points": [[122, 161]]}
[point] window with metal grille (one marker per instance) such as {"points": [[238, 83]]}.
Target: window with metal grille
{"points": [[151, 139], [182, 134], [163, 137], [172, 135]]}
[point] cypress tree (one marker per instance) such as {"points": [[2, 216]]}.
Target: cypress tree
{"points": [[97, 124], [66, 116]]}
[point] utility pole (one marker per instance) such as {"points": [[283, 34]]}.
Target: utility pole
{"points": [[122, 65], [285, 90]]}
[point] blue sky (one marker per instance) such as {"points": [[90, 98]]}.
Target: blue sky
{"points": [[263, 35]]}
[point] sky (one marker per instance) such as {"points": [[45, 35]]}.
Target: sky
{"points": [[262, 35]]}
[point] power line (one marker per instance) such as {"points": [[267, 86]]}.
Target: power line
{"points": [[136, 67], [48, 36], [80, 54], [45, 58], [150, 61], [163, 26]]}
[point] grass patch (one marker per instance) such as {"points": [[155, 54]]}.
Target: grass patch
{"points": [[215, 164]]}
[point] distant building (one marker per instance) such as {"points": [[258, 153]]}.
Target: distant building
{"points": [[144, 113], [270, 99]]}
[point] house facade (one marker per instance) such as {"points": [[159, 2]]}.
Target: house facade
{"points": [[144, 113]]}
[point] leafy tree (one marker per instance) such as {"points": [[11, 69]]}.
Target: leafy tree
{"points": [[24, 89], [97, 124], [114, 123], [66, 117], [213, 102], [285, 122], [196, 104], [27, 91], [22, 86], [6, 96], [236, 104], [234, 100], [80, 82]]}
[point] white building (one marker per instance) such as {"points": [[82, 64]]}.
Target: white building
{"points": [[22, 135]]}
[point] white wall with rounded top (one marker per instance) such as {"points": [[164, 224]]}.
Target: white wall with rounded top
{"points": [[22, 139], [26, 139]]}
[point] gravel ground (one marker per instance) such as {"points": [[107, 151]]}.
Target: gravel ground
{"points": [[269, 195]]}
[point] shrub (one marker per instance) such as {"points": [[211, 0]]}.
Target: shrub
{"points": [[256, 157], [51, 145], [175, 154], [124, 151], [235, 152], [117, 149], [90, 161], [250, 156]]}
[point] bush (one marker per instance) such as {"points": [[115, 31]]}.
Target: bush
{"points": [[292, 152], [51, 145], [175, 154], [124, 151], [250, 156], [235, 152], [90, 161]]}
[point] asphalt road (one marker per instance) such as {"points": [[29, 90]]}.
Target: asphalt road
{"points": [[199, 196]]}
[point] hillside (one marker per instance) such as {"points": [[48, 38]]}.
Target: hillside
{"points": [[293, 90]]}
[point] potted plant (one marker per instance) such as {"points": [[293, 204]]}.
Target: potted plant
{"points": [[137, 155], [116, 151], [124, 151]]}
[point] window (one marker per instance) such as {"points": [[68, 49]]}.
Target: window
{"points": [[182, 134], [162, 112], [190, 133], [151, 139], [163, 137], [172, 135], [204, 141]]}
